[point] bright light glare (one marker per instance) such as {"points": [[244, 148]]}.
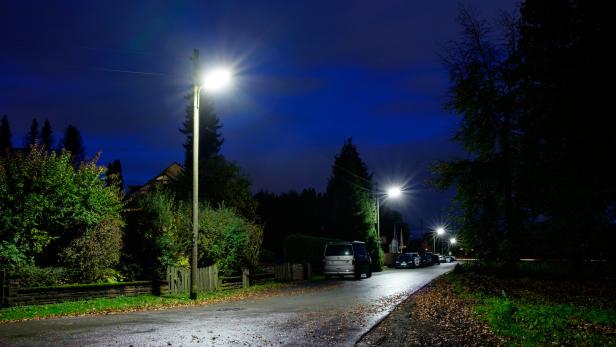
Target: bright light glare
{"points": [[394, 192], [217, 79], [453, 240], [440, 231]]}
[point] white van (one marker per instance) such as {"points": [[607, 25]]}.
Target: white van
{"points": [[347, 258]]}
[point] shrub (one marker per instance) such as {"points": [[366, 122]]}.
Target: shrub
{"points": [[46, 204], [159, 234], [229, 240], [95, 253], [32, 276]]}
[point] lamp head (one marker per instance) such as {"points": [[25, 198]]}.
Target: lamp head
{"points": [[394, 192], [440, 231], [216, 80]]}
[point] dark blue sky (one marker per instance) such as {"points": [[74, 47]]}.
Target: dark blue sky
{"points": [[309, 75]]}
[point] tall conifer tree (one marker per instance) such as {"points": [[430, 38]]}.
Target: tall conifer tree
{"points": [[352, 204], [73, 143], [32, 138], [47, 136], [5, 136]]}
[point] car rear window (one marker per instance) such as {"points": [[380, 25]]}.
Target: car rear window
{"points": [[338, 250], [404, 257]]}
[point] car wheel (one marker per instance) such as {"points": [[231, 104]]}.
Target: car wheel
{"points": [[369, 273], [358, 276]]}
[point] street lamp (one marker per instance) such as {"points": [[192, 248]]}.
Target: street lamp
{"points": [[215, 80], [453, 241], [392, 192], [439, 231]]}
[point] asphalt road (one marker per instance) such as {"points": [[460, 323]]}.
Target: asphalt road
{"points": [[334, 312]]}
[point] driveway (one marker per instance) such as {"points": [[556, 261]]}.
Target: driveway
{"points": [[334, 312]]}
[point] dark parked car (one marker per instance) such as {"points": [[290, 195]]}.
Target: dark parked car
{"points": [[436, 259], [426, 259], [408, 260]]}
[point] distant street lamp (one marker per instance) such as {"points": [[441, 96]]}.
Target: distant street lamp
{"points": [[215, 80], [439, 231], [452, 241]]}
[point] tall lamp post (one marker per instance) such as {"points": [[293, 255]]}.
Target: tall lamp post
{"points": [[212, 81], [438, 232], [392, 192]]}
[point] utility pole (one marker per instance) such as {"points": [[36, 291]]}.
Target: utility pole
{"points": [[195, 190]]}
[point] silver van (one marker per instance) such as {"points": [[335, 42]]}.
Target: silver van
{"points": [[347, 258]]}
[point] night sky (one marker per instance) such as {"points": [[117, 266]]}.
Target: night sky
{"points": [[308, 75]]}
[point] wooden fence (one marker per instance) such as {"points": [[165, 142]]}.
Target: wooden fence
{"points": [[179, 279]]}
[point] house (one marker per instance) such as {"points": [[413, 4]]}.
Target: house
{"points": [[169, 175]]}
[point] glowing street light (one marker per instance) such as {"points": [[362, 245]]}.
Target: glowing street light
{"points": [[439, 231], [393, 192], [214, 81], [453, 241]]}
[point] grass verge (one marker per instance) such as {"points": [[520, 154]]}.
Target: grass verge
{"points": [[131, 303], [528, 309]]}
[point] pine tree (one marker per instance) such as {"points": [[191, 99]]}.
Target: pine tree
{"points": [[32, 138], [352, 205], [5, 136], [210, 139], [47, 136], [73, 143]]}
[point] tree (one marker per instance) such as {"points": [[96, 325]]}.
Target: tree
{"points": [[535, 181], [5, 136], [32, 138], [210, 139], [567, 135], [484, 93], [73, 143], [47, 136], [113, 176], [47, 205], [352, 205]]}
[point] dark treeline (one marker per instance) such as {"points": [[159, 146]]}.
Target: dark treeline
{"points": [[290, 213], [538, 180], [346, 211], [43, 137]]}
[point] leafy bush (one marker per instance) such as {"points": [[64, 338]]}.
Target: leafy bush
{"points": [[159, 234], [95, 253], [229, 240], [46, 204], [32, 276]]}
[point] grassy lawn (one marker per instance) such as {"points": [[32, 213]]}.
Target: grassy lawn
{"points": [[131, 303], [539, 305]]}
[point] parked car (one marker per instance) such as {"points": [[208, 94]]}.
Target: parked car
{"points": [[426, 259], [436, 259], [347, 258], [408, 260]]}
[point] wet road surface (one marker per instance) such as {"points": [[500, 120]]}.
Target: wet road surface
{"points": [[328, 313]]}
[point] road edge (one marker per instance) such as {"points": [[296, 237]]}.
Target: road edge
{"points": [[380, 320]]}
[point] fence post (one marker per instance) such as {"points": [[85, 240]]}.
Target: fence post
{"points": [[245, 278]]}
